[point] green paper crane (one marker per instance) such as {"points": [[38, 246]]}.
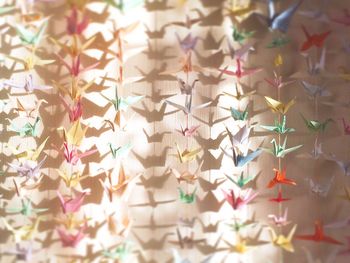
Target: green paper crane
{"points": [[187, 198], [123, 5], [315, 125], [280, 128], [28, 129], [120, 151], [239, 115], [278, 42], [6, 9], [241, 181], [28, 37], [240, 36], [120, 253], [120, 103], [280, 151], [26, 209]]}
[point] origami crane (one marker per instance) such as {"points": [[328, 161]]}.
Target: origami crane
{"points": [[241, 53], [28, 84], [343, 19], [277, 82], [319, 235], [278, 42], [238, 115], [188, 131], [70, 221], [320, 189], [73, 179], [186, 155], [120, 103], [280, 178], [240, 140], [76, 48], [313, 40], [281, 20], [315, 125], [70, 204], [280, 151], [239, 94], [28, 129], [75, 135], [282, 241], [279, 198], [25, 232], [187, 198], [188, 43], [188, 108], [239, 72], [124, 6], [75, 88], [71, 240], [28, 37], [29, 111], [187, 176], [346, 127], [75, 111], [121, 151], [29, 169], [279, 127], [241, 200], [278, 61], [240, 160], [26, 209], [280, 220], [72, 155], [315, 91], [278, 106], [29, 154], [30, 62], [74, 26], [121, 186], [241, 181], [74, 69], [120, 253], [241, 36], [186, 88], [23, 253]]}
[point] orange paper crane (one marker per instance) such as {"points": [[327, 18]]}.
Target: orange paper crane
{"points": [[319, 235], [280, 178]]}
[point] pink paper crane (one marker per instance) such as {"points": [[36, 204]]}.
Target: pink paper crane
{"points": [[241, 200], [71, 240], [280, 220], [71, 205], [72, 156], [74, 26], [75, 111], [346, 127]]}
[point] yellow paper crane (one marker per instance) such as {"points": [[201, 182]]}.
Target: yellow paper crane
{"points": [[71, 180], [186, 155], [278, 60], [30, 62], [278, 106], [76, 48], [30, 154], [75, 135], [23, 233], [75, 89], [71, 222], [283, 241]]}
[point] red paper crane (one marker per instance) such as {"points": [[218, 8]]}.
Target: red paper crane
{"points": [[346, 127], [280, 178], [319, 235], [74, 26], [239, 72], [313, 40], [279, 198]]}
